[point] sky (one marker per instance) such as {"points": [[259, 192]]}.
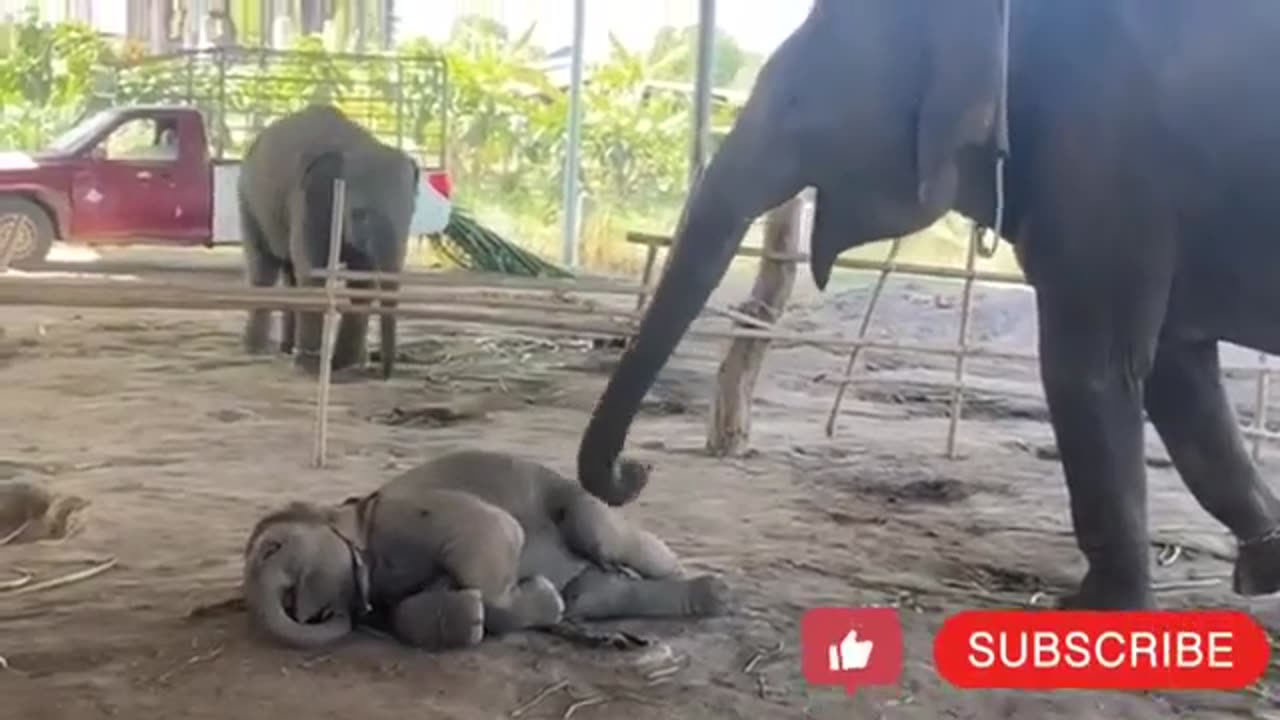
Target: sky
{"points": [[758, 25]]}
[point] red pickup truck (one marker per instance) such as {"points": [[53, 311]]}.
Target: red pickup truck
{"points": [[139, 175]]}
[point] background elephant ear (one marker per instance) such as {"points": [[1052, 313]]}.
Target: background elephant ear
{"points": [[962, 67]]}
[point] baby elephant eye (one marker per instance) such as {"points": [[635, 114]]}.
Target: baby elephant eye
{"points": [[359, 216]]}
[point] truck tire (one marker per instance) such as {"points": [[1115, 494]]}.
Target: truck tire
{"points": [[27, 224]]}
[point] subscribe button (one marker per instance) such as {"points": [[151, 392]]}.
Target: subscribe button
{"points": [[1043, 650]]}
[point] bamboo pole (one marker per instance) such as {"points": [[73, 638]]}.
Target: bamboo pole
{"points": [[863, 327], [330, 320], [962, 341]]}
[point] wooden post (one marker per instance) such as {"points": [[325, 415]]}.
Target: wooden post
{"points": [[330, 320], [729, 428]]}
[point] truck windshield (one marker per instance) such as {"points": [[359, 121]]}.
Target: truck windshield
{"points": [[69, 140]]}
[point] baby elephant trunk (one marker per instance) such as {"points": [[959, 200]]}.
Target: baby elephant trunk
{"points": [[265, 597]]}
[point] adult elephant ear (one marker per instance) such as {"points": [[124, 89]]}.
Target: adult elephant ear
{"points": [[963, 46]]}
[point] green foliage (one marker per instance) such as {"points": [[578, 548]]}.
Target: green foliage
{"points": [[506, 118], [506, 122]]}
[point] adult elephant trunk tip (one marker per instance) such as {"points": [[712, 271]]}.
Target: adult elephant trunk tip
{"points": [[616, 481]]}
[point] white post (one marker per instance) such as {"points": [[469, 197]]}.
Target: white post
{"points": [[330, 320]]}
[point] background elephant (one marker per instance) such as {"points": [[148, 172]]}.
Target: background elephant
{"points": [[285, 194], [468, 542], [1141, 208]]}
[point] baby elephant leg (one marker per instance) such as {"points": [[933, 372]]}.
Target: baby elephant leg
{"points": [[599, 595], [598, 533], [440, 619], [531, 603], [484, 554]]}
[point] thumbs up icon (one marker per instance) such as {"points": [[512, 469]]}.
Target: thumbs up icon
{"points": [[850, 653], [836, 645]]}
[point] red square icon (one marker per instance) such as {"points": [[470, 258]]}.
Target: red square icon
{"points": [[851, 647]]}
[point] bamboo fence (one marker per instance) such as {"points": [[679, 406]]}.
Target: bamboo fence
{"points": [[962, 351], [536, 306]]}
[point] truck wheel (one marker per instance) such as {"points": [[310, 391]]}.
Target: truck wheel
{"points": [[28, 226]]}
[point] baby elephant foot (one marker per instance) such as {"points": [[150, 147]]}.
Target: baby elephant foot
{"points": [[1257, 569], [534, 602], [708, 596], [440, 619]]}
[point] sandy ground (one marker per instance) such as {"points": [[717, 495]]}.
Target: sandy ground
{"points": [[174, 443]]}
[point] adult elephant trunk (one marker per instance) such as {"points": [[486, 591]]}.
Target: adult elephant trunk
{"points": [[265, 597], [744, 180]]}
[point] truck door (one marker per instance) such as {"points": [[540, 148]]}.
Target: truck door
{"points": [[128, 187]]}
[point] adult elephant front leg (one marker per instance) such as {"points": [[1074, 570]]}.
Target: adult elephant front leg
{"points": [[1189, 408], [1099, 319]]}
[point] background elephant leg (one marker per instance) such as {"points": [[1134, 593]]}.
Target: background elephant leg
{"points": [[261, 270], [349, 349], [1191, 412], [307, 352], [532, 603], [593, 530], [288, 319], [440, 619], [349, 342], [387, 332], [599, 595]]}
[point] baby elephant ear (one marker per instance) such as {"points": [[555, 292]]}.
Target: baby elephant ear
{"points": [[962, 49]]}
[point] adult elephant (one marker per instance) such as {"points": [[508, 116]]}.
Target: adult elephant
{"points": [[1144, 164], [285, 194]]}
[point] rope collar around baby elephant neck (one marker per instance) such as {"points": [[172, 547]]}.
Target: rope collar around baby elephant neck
{"points": [[1001, 138], [356, 545], [359, 573]]}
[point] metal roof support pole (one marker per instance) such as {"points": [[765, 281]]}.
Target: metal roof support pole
{"points": [[702, 89], [572, 203]]}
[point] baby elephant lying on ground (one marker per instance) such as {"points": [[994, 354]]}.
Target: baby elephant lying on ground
{"points": [[468, 543]]}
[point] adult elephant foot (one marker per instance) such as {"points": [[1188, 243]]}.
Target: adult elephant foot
{"points": [[1099, 593], [1257, 570]]}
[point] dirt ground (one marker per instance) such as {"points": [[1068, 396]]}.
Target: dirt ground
{"points": [[163, 444]]}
